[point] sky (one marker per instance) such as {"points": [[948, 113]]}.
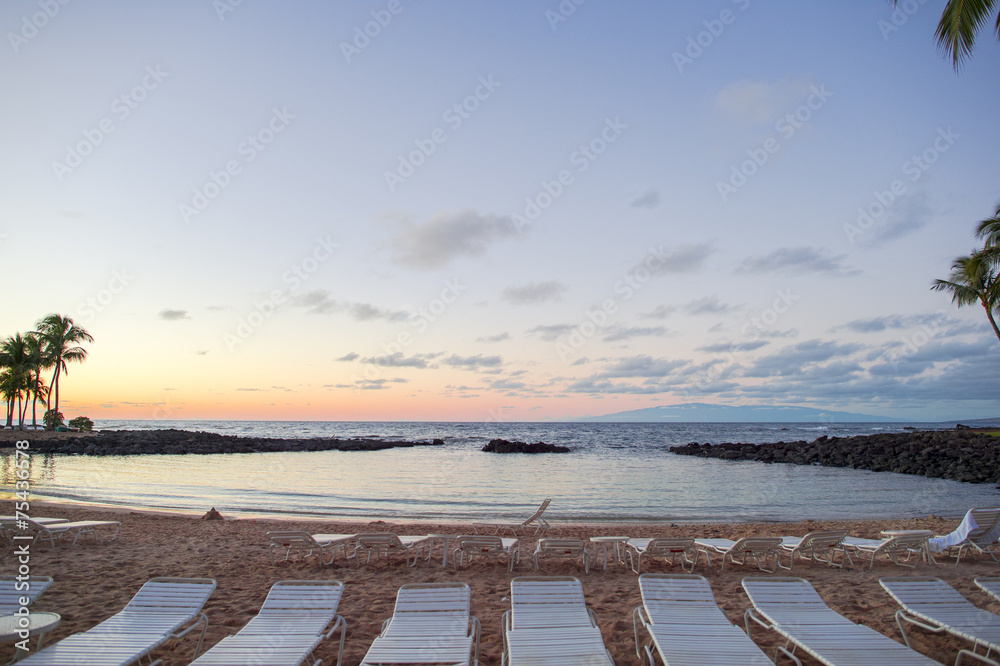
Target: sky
{"points": [[516, 211]]}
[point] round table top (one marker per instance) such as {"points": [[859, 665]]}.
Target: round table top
{"points": [[38, 623]]}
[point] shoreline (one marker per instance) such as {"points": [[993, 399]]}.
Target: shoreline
{"points": [[235, 553]]}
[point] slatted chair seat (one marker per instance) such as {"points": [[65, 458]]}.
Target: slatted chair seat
{"points": [[760, 549], [903, 550], [815, 547], [385, 544]]}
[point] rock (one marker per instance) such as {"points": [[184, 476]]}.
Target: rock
{"points": [[213, 515], [503, 446]]}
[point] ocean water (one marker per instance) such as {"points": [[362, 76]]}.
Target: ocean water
{"points": [[616, 471]]}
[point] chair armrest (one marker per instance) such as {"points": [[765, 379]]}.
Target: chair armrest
{"points": [[202, 619], [337, 622]]}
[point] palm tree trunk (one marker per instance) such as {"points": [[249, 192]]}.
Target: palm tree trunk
{"points": [[989, 314], [10, 412], [56, 380]]}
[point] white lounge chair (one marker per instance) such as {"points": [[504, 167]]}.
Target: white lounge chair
{"points": [[431, 624], [299, 541], [484, 545], [39, 520], [934, 605], [990, 585], [517, 529], [12, 591], [978, 533], [793, 608], [163, 609], [761, 549], [687, 627], [911, 545], [297, 616], [52, 531], [383, 544], [549, 623], [563, 548], [815, 547], [670, 549]]}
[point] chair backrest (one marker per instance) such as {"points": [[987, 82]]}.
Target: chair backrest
{"points": [[674, 592], [171, 595], [13, 590], [538, 514], [902, 543], [292, 539], [986, 520], [481, 544], [784, 598], [667, 547], [379, 541], [818, 540], [756, 545], [547, 601], [990, 585], [562, 547], [438, 607], [304, 595], [924, 594]]}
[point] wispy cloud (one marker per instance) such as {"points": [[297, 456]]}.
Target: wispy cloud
{"points": [[499, 337], [472, 362], [446, 236], [173, 315], [550, 332], [649, 199], [322, 302], [755, 102], [534, 293], [797, 260]]}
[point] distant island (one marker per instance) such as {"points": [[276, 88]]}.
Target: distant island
{"points": [[699, 412]]}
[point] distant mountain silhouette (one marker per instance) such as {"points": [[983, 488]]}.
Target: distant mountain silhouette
{"points": [[697, 412]]}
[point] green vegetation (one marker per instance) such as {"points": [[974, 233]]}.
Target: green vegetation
{"points": [[82, 423], [974, 280], [53, 344], [961, 21]]}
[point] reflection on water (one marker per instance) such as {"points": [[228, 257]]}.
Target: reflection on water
{"points": [[616, 471]]}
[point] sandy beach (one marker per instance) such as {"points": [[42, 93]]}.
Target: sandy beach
{"points": [[95, 580]]}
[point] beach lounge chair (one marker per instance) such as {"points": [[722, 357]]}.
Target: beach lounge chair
{"points": [[431, 624], [686, 626], [934, 605], [761, 549], [978, 533], [517, 529], [383, 544], [911, 545], [990, 585], [52, 531], [297, 616], [815, 547], [793, 608], [13, 590], [484, 545], [299, 541], [162, 609], [670, 549], [564, 548], [549, 623]]}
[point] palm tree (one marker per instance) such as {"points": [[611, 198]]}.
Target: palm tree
{"points": [[61, 337], [961, 22], [37, 362], [973, 280], [988, 231], [15, 373]]}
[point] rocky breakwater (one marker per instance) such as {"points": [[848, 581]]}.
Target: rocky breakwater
{"points": [[144, 442], [503, 446], [959, 455]]}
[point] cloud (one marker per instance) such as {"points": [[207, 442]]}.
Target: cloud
{"points": [[660, 312], [350, 356], [397, 360], [797, 260], [534, 293], [791, 360], [472, 362], [446, 236], [686, 258], [216, 308], [708, 305], [551, 332], [894, 322], [248, 389], [733, 346], [499, 337], [620, 332], [754, 102], [173, 315], [649, 199], [321, 302], [642, 365]]}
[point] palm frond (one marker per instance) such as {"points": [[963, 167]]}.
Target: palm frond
{"points": [[960, 22]]}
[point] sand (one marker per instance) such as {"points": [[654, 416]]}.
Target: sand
{"points": [[95, 580]]}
